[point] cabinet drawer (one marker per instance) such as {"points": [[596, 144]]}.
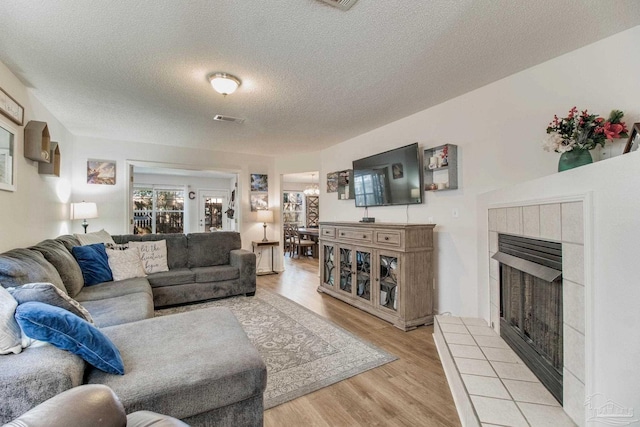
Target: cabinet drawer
{"points": [[355, 235], [388, 238], [328, 232]]}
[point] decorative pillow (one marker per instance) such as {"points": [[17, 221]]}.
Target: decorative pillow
{"points": [[94, 263], [69, 332], [95, 237], [117, 246], [57, 254], [125, 264], [48, 294], [10, 335], [153, 255]]}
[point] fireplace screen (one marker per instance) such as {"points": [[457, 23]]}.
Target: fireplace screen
{"points": [[531, 305]]}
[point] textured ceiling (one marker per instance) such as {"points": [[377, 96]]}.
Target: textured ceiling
{"points": [[312, 75]]}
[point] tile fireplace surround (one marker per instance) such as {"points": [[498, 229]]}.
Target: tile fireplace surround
{"points": [[560, 222]]}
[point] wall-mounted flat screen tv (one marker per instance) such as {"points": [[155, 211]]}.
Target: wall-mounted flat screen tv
{"points": [[390, 178]]}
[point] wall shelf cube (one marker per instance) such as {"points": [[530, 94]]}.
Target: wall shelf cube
{"points": [[37, 141], [53, 167], [441, 168]]}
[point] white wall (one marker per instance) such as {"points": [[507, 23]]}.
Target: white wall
{"points": [[112, 199], [498, 129], [38, 209], [190, 183]]}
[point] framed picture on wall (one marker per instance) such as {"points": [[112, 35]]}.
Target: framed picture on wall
{"points": [[259, 201], [634, 139], [101, 172], [10, 108], [332, 182], [259, 182]]}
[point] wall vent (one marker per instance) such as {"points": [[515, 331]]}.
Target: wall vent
{"points": [[221, 118], [342, 4]]}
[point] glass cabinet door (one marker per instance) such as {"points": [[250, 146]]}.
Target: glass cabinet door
{"points": [[328, 265], [346, 272], [388, 279], [363, 274]]}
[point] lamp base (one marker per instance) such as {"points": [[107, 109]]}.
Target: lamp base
{"points": [[265, 232], [85, 224]]}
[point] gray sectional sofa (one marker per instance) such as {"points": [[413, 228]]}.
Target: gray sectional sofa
{"points": [[198, 366]]}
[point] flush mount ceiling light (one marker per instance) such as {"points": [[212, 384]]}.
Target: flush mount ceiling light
{"points": [[342, 4], [224, 83]]}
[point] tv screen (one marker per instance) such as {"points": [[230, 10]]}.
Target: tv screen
{"points": [[390, 178]]}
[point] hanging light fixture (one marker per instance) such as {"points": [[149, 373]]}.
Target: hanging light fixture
{"points": [[224, 83], [312, 189]]}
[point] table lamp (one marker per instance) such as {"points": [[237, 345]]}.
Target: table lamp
{"points": [[265, 216], [84, 211]]}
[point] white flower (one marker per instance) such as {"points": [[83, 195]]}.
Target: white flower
{"points": [[551, 142], [554, 142]]}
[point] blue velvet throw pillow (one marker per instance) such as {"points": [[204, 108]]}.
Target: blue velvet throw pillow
{"points": [[67, 331], [94, 263]]}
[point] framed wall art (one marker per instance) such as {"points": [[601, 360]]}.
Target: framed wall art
{"points": [[259, 201], [10, 108], [101, 172], [7, 159], [634, 139], [259, 182], [332, 182]]}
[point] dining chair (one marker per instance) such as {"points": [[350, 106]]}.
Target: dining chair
{"points": [[288, 240], [301, 244]]}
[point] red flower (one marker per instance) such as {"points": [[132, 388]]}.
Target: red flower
{"points": [[613, 130]]}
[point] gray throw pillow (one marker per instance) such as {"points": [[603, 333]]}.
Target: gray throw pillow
{"points": [[49, 294], [57, 254]]}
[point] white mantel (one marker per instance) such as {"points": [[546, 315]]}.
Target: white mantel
{"points": [[609, 190]]}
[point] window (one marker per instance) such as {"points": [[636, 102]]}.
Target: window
{"points": [[158, 210], [293, 208]]}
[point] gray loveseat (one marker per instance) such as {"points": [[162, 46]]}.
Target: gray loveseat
{"points": [[198, 366]]}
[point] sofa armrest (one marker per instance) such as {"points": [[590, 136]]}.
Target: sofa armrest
{"points": [[245, 261], [87, 405]]}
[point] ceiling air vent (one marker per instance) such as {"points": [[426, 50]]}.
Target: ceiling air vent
{"points": [[222, 118], [342, 4]]}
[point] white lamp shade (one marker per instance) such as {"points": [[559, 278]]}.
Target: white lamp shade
{"points": [[84, 210], [224, 83], [265, 216]]}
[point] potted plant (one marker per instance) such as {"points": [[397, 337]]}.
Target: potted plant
{"points": [[575, 135]]}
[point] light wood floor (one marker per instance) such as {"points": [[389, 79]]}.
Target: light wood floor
{"points": [[411, 391]]}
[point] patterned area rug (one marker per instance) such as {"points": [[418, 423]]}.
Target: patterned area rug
{"points": [[303, 351]]}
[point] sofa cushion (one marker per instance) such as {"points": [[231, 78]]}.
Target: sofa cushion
{"points": [[125, 263], [92, 238], [67, 331], [22, 266], [94, 263], [10, 335], [216, 273], [35, 375], [177, 276], [57, 254], [48, 294], [118, 310], [114, 289], [68, 240], [213, 363], [153, 255], [207, 249], [176, 246]]}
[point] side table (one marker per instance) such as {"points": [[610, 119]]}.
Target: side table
{"points": [[261, 244]]}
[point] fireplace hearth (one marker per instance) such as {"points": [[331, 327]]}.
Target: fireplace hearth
{"points": [[531, 319]]}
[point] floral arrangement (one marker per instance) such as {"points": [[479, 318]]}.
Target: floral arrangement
{"points": [[584, 131]]}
